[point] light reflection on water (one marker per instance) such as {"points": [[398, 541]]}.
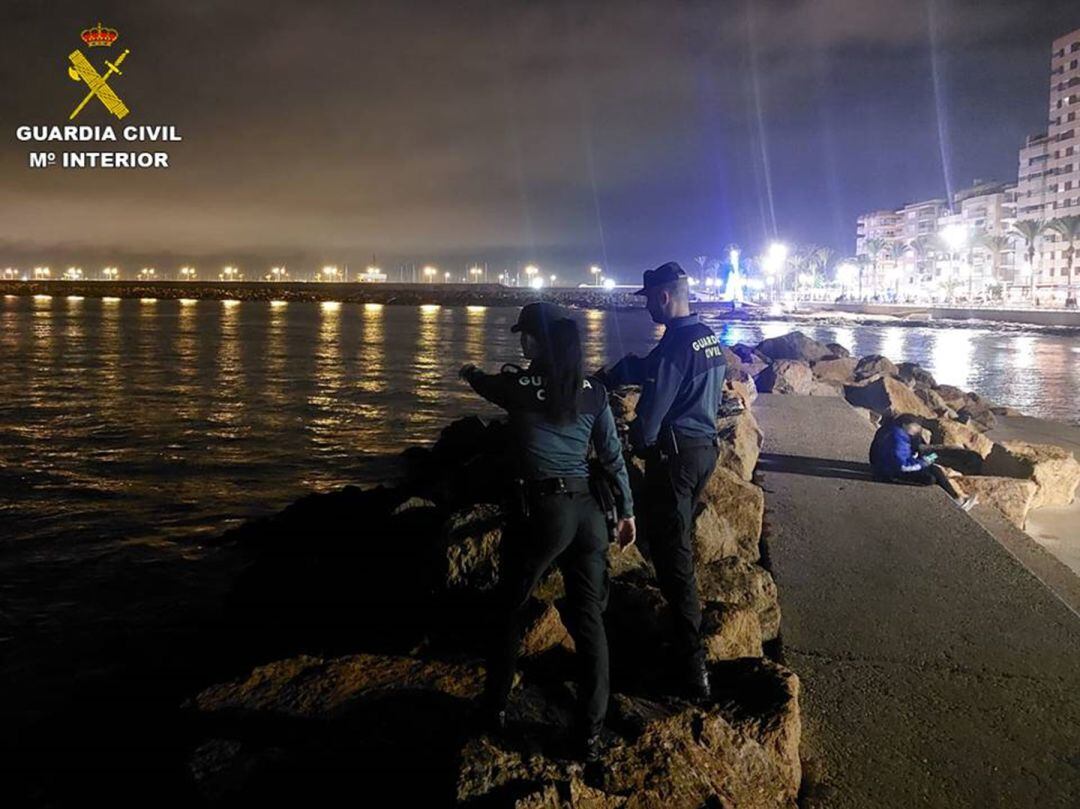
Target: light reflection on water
{"points": [[124, 419]]}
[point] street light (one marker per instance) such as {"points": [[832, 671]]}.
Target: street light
{"points": [[41, 273], [530, 271], [330, 273], [277, 274], [73, 274], [475, 272], [187, 273], [955, 236], [596, 271], [110, 273], [553, 277], [846, 273], [429, 272], [609, 284], [230, 274], [147, 274]]}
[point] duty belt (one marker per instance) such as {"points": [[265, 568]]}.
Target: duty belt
{"points": [[549, 486]]}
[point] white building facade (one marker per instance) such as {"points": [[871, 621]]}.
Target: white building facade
{"points": [[966, 247]]}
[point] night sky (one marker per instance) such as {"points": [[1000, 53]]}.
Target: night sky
{"points": [[563, 133]]}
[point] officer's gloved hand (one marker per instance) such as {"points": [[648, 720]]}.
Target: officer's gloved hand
{"points": [[626, 533]]}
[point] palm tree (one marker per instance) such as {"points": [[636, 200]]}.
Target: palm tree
{"points": [[923, 247], [1068, 228], [862, 262], [995, 245], [873, 249], [1028, 230], [823, 260], [894, 251]]}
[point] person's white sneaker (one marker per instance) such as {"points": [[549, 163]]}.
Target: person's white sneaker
{"points": [[968, 503]]}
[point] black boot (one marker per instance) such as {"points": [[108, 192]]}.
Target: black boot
{"points": [[490, 716], [592, 744], [593, 749], [696, 686]]}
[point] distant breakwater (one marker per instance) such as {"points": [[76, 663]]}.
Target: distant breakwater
{"points": [[353, 292]]}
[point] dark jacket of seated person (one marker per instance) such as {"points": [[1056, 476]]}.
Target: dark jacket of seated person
{"points": [[893, 452], [895, 455]]}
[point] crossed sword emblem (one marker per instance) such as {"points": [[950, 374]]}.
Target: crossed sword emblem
{"points": [[82, 70]]}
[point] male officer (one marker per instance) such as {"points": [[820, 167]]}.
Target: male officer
{"points": [[675, 431]]}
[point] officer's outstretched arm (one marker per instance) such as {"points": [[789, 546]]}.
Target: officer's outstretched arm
{"points": [[630, 370], [493, 387], [605, 440]]}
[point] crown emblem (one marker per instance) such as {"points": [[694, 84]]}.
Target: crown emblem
{"points": [[99, 36]]}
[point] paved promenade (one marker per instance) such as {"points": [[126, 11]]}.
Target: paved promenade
{"points": [[937, 671]]}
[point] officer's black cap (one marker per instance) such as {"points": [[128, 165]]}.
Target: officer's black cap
{"points": [[536, 318], [664, 274]]}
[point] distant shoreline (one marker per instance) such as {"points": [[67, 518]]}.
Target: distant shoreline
{"points": [[351, 292], [461, 295]]}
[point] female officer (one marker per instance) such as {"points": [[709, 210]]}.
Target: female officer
{"points": [[555, 413]]}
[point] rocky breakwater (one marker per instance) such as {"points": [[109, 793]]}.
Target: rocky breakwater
{"points": [[1011, 476], [372, 608]]}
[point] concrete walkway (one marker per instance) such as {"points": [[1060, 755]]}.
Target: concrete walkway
{"points": [[936, 670]]}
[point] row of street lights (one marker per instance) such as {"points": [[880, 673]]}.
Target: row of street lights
{"points": [[329, 273]]}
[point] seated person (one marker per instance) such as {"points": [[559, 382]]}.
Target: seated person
{"points": [[895, 455]]}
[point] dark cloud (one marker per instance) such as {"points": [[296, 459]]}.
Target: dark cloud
{"points": [[563, 132]]}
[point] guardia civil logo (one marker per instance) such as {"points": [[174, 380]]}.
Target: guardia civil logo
{"points": [[98, 79], [97, 83]]}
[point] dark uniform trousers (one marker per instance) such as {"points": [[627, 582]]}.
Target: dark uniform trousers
{"points": [[568, 529], [673, 486]]}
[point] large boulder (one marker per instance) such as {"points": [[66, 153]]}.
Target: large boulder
{"points": [[740, 583], [874, 365], [749, 355], [1005, 410], [740, 385], [932, 399], [1054, 470], [978, 412], [543, 630], [786, 376], [740, 443], [472, 537], [623, 401], [825, 387], [838, 351], [1011, 496], [952, 396], [840, 369], [887, 397], [669, 754], [949, 433], [869, 415], [308, 687], [729, 519], [915, 375], [794, 346], [729, 632]]}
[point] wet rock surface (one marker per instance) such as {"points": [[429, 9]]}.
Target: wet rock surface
{"points": [[373, 610]]}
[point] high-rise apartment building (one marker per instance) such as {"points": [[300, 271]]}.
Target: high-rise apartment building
{"points": [[1049, 175], [937, 244]]}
